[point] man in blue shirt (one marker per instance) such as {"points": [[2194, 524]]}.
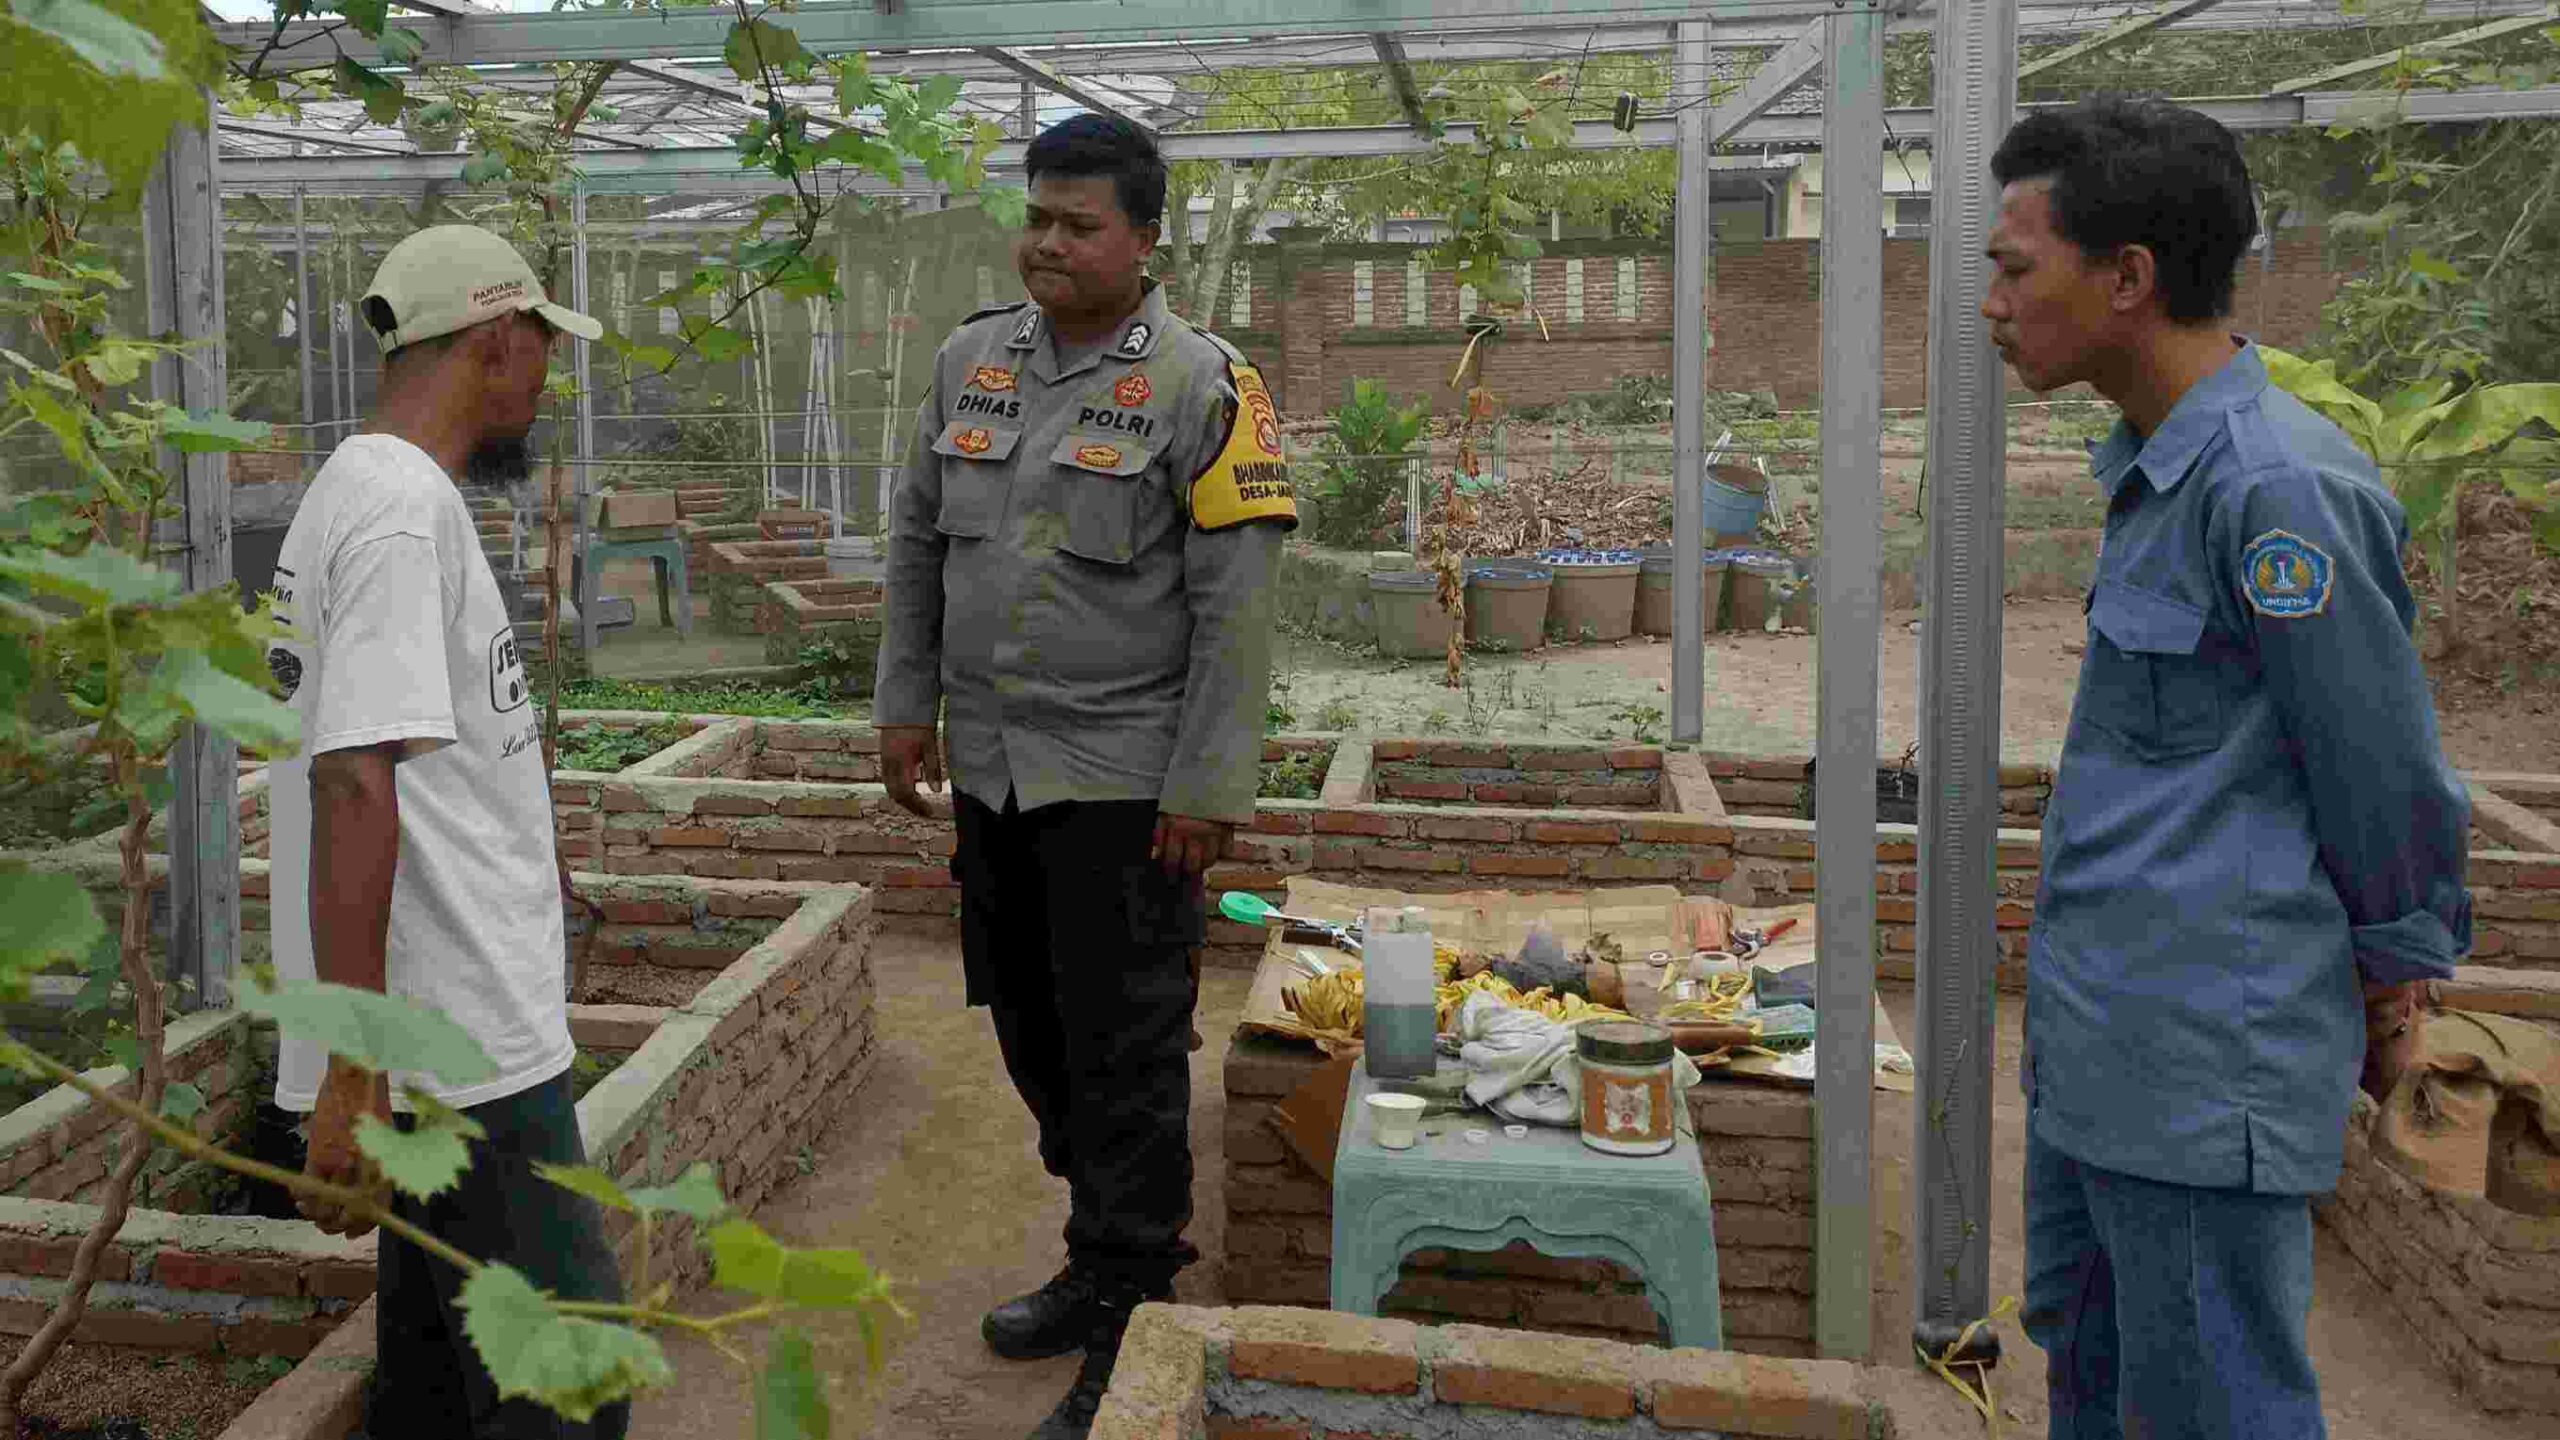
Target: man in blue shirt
{"points": [[2255, 849]]}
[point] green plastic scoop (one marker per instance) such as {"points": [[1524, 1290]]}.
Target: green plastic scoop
{"points": [[1246, 908]]}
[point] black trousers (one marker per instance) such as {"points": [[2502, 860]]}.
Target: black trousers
{"points": [[1087, 955], [428, 1380]]}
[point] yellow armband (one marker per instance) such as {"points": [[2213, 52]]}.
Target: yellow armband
{"points": [[1249, 479]]}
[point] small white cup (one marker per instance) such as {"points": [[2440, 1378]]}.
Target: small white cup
{"points": [[1395, 1119]]}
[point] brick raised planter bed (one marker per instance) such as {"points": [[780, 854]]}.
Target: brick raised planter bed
{"points": [[797, 612], [731, 1075], [1261, 1374], [1755, 1141], [739, 570], [2480, 1286]]}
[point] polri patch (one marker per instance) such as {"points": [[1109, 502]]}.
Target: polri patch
{"points": [[1132, 391], [973, 441], [994, 379], [1100, 457], [2286, 576]]}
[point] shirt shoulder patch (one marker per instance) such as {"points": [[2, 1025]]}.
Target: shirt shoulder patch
{"points": [[2285, 576], [1248, 479]]}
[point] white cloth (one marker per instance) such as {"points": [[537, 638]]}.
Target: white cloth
{"points": [[1522, 1066], [398, 633]]}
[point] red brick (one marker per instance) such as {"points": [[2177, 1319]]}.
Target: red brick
{"points": [[1536, 760], [785, 837], [1546, 867], [573, 795], [1502, 794], [1717, 867], [689, 836], [732, 804], [1572, 832], [1425, 1292], [1395, 749], [1223, 1427], [1795, 1399], [838, 807], [770, 907], [1278, 1282], [733, 867], [2538, 877], [1337, 855], [1634, 867], [1801, 879], [1423, 789], [1631, 1315], [1329, 1352], [1467, 757], [1897, 852], [1436, 862], [1680, 832], [27, 1255], [1282, 822], [229, 1275], [1897, 910], [644, 865], [836, 870], [1548, 1374], [1465, 827], [292, 1339], [623, 798], [1641, 757], [575, 847], [646, 912], [917, 877], [2015, 917], [1360, 822], [1776, 846]]}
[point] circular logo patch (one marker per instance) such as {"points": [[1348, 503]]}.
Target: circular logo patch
{"points": [[1132, 392], [972, 441], [2286, 576]]}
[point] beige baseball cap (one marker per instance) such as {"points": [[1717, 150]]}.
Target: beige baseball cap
{"points": [[451, 277]]}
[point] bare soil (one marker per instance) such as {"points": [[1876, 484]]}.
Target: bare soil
{"points": [[1760, 693], [112, 1392], [930, 1171]]}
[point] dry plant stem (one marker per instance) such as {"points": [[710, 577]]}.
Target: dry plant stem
{"points": [[150, 1032]]}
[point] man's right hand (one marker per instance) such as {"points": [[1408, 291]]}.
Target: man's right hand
{"points": [[347, 1093], [909, 753]]}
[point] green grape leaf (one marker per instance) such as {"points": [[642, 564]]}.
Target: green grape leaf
{"points": [[695, 1193], [422, 1162], [745, 1258], [761, 40], [50, 916], [42, 285], [852, 147], [380, 1032], [1006, 205], [855, 88], [2433, 268], [100, 574], [124, 1049], [181, 1102], [568, 1364], [206, 432], [380, 95], [117, 362], [486, 169], [588, 1181], [227, 704], [401, 45], [791, 1401], [107, 41], [937, 95], [368, 16], [716, 343]]}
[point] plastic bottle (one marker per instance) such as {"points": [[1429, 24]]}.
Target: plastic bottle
{"points": [[1401, 1014]]}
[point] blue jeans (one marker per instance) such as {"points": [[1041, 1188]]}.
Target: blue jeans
{"points": [[2168, 1312]]}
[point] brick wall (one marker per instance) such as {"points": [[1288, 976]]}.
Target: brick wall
{"points": [[701, 534], [757, 830], [2480, 1286], [739, 570], [800, 612], [1773, 786], [1765, 307], [1494, 773], [1756, 1143], [1262, 1374], [60, 1145], [736, 1077]]}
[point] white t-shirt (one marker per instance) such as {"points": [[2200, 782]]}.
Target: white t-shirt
{"points": [[398, 633]]}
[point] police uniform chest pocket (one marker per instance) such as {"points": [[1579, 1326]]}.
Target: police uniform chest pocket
{"points": [[1101, 482], [973, 477], [2147, 684]]}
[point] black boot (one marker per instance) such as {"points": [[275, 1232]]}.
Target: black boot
{"points": [[1052, 1320], [1073, 1418]]}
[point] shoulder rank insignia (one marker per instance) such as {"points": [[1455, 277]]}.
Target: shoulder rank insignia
{"points": [[1249, 478], [1027, 332], [1133, 346], [2285, 576], [1132, 391]]}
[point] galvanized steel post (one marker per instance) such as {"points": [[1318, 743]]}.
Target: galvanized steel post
{"points": [[1689, 259], [1977, 57], [1848, 595]]}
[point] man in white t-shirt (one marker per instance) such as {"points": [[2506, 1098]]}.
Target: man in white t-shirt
{"points": [[416, 820]]}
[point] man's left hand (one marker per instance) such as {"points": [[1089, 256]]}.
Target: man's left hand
{"points": [[2391, 1025], [1188, 847]]}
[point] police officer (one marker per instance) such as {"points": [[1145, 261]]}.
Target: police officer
{"points": [[2254, 854], [1080, 559]]}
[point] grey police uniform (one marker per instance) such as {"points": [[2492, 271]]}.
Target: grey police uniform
{"points": [[1081, 550]]}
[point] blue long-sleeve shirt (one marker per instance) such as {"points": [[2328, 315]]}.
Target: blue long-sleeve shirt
{"points": [[2253, 810]]}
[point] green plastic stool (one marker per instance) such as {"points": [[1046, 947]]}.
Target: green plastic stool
{"points": [[1650, 1214]]}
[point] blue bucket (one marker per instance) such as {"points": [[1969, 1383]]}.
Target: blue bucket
{"points": [[1728, 509]]}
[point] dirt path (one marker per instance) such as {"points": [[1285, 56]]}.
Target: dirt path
{"points": [[930, 1172], [1760, 693]]}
